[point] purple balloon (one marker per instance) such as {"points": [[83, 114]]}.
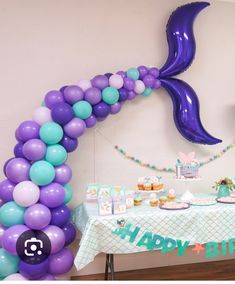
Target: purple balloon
{"points": [[48, 277], [129, 84], [93, 96], [62, 89], [1, 202], [60, 262], [62, 113], [18, 150], [157, 84], [108, 75], [28, 130], [69, 232], [60, 215], [75, 128], [123, 95], [33, 271], [122, 73], [34, 149], [154, 72], [17, 135], [52, 195], [115, 108], [6, 190], [101, 110], [100, 82], [2, 231], [73, 94], [11, 236], [56, 237], [186, 112], [37, 216], [17, 170], [70, 144], [143, 71], [90, 121], [52, 98], [149, 80], [63, 174], [131, 95]]}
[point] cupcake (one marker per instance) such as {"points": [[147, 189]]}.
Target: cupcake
{"points": [[148, 186], [140, 183], [157, 186], [163, 200], [171, 195], [153, 200], [137, 201]]}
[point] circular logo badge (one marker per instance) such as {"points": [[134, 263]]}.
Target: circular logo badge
{"points": [[33, 247]]}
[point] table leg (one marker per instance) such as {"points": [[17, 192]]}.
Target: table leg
{"points": [[109, 265]]}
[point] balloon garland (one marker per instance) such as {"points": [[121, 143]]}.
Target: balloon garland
{"points": [[36, 191]]}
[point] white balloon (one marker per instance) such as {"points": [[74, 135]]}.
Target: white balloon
{"points": [[42, 115], [84, 84], [26, 193], [139, 87], [15, 277]]}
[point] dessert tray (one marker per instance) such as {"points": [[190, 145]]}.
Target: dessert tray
{"points": [[227, 200], [175, 206], [203, 202], [150, 191]]}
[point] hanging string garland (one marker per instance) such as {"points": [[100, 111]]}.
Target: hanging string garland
{"points": [[172, 169]]}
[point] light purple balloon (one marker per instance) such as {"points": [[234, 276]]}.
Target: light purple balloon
{"points": [[115, 108], [37, 216], [1, 202], [157, 84], [73, 94], [60, 262], [91, 121], [52, 195], [56, 237], [122, 73], [143, 71], [17, 170], [75, 128], [6, 190], [149, 80], [53, 97], [17, 136], [154, 72], [2, 230], [131, 95], [129, 84], [18, 150], [93, 95], [28, 130], [34, 149], [100, 82], [11, 236], [63, 174]]}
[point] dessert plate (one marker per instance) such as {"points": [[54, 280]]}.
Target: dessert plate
{"points": [[203, 202], [175, 206], [227, 200]]}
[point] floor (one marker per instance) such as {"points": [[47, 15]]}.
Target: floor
{"points": [[217, 270]]}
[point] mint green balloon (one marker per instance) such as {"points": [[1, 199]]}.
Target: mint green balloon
{"points": [[51, 133], [56, 155], [68, 193], [9, 263], [11, 214], [82, 109], [133, 73], [110, 95], [42, 173], [147, 92]]}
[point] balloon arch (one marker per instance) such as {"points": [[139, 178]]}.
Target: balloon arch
{"points": [[36, 191]]}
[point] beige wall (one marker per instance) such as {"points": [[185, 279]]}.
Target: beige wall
{"points": [[49, 43]]}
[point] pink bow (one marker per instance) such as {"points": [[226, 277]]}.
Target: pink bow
{"points": [[187, 159]]}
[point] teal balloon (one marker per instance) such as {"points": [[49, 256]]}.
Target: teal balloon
{"points": [[82, 109], [43, 103], [11, 214], [147, 92], [68, 193], [56, 155], [133, 73], [42, 173], [110, 95], [51, 133], [9, 264]]}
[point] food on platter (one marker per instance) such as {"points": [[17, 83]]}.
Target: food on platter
{"points": [[226, 199], [175, 205], [137, 201], [171, 195]]}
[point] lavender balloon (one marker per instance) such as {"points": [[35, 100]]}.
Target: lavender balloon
{"points": [[52, 98], [73, 94], [90, 121], [93, 96], [17, 170], [2, 231], [52, 195], [34, 149], [37, 217], [61, 262], [63, 174], [56, 237], [75, 128], [28, 130]]}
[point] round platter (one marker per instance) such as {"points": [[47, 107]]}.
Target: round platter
{"points": [[150, 191], [203, 202], [164, 206], [223, 200], [188, 179]]}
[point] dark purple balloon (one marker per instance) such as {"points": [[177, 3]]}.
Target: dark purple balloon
{"points": [[33, 271], [123, 95], [63, 174], [131, 95], [101, 110], [143, 70], [60, 215], [17, 170], [186, 112], [61, 262], [28, 130], [122, 73], [90, 121], [154, 72], [6, 190], [100, 82], [73, 94], [62, 113], [181, 42], [70, 144], [52, 98], [18, 150], [108, 75], [69, 232], [93, 95], [129, 84], [148, 80], [52, 195]]}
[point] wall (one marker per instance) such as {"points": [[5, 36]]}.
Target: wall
{"points": [[48, 44]]}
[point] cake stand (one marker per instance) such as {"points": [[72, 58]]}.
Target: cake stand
{"points": [[187, 195], [147, 193]]}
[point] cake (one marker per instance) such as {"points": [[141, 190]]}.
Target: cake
{"points": [[148, 186], [150, 183], [171, 195], [137, 201], [187, 166]]}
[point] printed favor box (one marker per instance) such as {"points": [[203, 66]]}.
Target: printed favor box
{"points": [[105, 206]]}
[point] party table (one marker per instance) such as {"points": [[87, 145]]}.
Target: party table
{"points": [[198, 224]]}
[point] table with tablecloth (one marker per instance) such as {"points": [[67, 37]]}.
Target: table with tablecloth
{"points": [[198, 224]]}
